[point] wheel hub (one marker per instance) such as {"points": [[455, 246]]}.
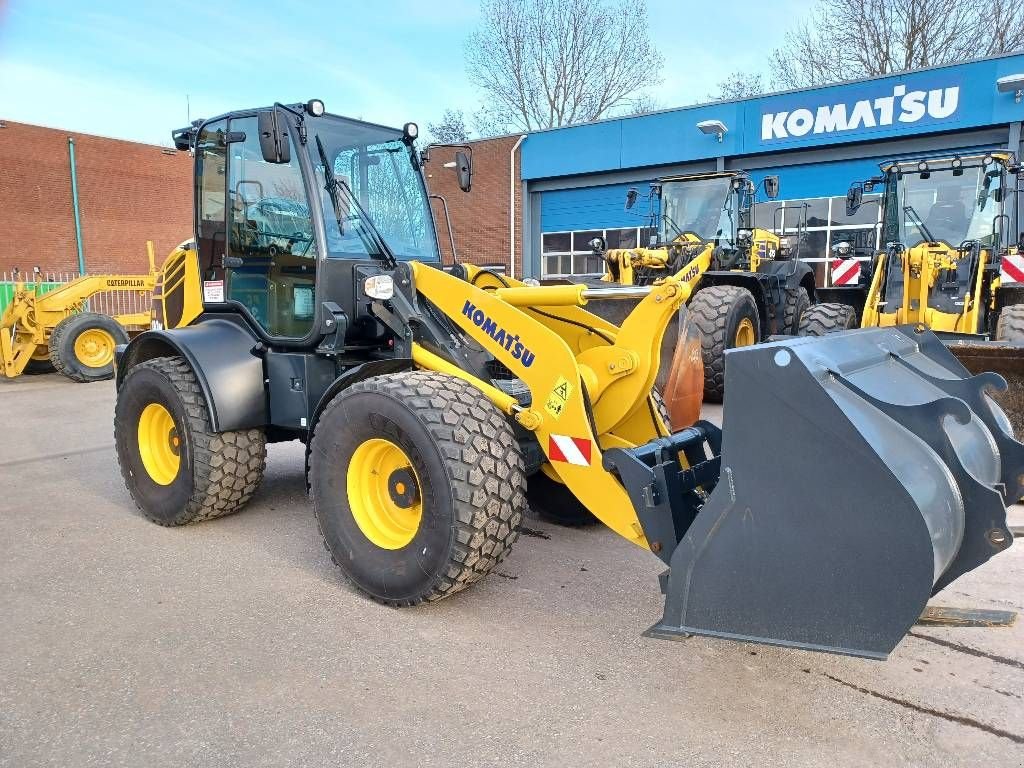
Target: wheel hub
{"points": [[159, 444], [94, 348], [384, 493], [745, 335]]}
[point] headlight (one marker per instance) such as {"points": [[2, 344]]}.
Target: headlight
{"points": [[379, 287], [315, 107]]}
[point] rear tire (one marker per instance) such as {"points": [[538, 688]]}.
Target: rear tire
{"points": [[727, 317], [827, 318], [197, 474], [82, 346], [796, 303], [39, 365], [1011, 324], [418, 485], [552, 501]]}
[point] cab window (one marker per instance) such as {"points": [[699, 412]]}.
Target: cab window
{"points": [[270, 237]]}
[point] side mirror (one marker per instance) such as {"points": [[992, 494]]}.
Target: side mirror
{"points": [[273, 132], [631, 196], [771, 187], [854, 199], [464, 171]]}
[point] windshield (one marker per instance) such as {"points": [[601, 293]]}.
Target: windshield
{"points": [[370, 191], [701, 206], [947, 208]]}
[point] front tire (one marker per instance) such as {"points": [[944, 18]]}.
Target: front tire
{"points": [[1011, 324], [797, 301], [418, 485], [727, 317], [176, 468], [82, 346], [822, 319]]}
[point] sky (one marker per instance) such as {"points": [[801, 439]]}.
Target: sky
{"points": [[136, 70]]}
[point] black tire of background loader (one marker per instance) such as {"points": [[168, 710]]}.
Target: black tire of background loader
{"points": [[471, 472], [550, 500], [827, 318], [36, 367], [717, 312], [62, 345], [796, 303], [219, 470], [1011, 323]]}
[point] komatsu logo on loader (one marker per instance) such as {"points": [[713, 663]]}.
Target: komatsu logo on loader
{"points": [[510, 341], [901, 106]]}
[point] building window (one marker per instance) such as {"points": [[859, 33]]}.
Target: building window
{"points": [[568, 254], [826, 225]]}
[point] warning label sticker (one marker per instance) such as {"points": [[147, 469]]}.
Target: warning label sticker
{"points": [[559, 397], [213, 291]]}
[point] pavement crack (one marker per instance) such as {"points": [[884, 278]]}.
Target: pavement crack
{"points": [[959, 719], [505, 575], [56, 455], [1012, 663], [533, 532]]}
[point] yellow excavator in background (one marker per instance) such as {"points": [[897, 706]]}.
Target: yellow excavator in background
{"points": [[750, 283], [953, 261], [42, 331]]}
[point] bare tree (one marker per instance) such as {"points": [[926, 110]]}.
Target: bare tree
{"points": [[450, 129], [847, 39], [547, 63], [739, 85]]}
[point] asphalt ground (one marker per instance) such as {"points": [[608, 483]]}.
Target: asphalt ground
{"points": [[237, 643]]}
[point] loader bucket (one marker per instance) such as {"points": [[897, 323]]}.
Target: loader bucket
{"points": [[859, 473], [1000, 357]]}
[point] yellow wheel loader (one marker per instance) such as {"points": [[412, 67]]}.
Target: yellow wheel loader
{"points": [[953, 261], [750, 283], [430, 400], [55, 330]]}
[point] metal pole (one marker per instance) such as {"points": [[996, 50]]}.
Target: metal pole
{"points": [[74, 205]]}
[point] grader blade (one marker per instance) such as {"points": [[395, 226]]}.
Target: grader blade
{"points": [[859, 473]]}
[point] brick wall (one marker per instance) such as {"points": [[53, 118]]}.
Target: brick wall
{"points": [[479, 218], [128, 193]]}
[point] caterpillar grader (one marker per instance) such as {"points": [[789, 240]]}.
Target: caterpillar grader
{"points": [[43, 331], [749, 281], [953, 260], [431, 399]]}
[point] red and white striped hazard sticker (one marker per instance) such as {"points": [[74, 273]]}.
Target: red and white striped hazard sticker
{"points": [[571, 450], [845, 271], [1012, 269]]}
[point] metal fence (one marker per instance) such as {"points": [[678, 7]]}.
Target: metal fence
{"points": [[106, 303]]}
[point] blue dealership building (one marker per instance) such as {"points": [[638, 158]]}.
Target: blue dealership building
{"points": [[817, 141]]}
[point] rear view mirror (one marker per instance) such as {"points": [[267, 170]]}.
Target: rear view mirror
{"points": [[771, 187], [854, 199], [464, 170], [273, 132], [631, 196]]}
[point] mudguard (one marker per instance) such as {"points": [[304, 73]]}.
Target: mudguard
{"points": [[859, 474], [220, 353]]}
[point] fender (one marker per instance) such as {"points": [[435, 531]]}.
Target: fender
{"points": [[221, 356]]}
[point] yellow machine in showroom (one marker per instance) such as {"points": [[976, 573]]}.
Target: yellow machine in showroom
{"points": [[749, 282], [432, 401], [953, 260]]}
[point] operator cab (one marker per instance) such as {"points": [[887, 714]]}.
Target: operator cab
{"points": [[294, 205]]}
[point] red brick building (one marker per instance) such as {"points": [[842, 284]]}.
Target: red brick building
{"points": [[130, 193]]}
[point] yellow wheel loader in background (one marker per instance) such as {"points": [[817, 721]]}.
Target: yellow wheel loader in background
{"points": [[953, 261], [430, 400], [750, 283], [55, 330]]}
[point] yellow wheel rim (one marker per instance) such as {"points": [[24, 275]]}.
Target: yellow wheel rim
{"points": [[384, 493], [94, 348], [159, 444], [745, 335]]}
